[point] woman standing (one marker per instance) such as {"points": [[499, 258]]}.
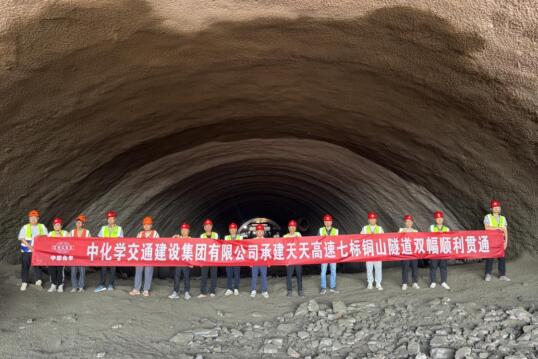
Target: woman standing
{"points": [[79, 232]]}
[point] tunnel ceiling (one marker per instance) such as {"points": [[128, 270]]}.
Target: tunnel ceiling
{"points": [[278, 109]]}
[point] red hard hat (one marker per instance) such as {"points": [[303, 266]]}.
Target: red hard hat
{"points": [[57, 221], [438, 214], [327, 217], [372, 215], [494, 203], [208, 221], [292, 223], [232, 226], [408, 217], [260, 227], [185, 226], [111, 214]]}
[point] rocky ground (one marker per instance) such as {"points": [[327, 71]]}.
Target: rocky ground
{"points": [[473, 320]]}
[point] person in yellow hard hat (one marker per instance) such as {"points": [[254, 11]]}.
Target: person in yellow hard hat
{"points": [[147, 233], [494, 221], [78, 274], [27, 235], [57, 272]]}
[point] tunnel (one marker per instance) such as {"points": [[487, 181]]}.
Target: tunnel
{"points": [[281, 109]]}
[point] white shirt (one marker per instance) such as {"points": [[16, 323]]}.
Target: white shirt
{"points": [[35, 233], [497, 217]]}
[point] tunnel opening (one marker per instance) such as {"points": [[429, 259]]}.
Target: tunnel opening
{"points": [[390, 111]]}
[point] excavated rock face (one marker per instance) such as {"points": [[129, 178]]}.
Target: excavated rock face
{"points": [[283, 109]]}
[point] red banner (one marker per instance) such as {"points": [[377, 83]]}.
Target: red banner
{"points": [[172, 252]]}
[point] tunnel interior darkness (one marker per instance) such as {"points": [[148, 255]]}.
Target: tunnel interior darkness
{"points": [[113, 106]]}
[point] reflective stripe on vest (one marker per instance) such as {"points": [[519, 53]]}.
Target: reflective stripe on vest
{"points": [[368, 229], [55, 234], [85, 232], [229, 238], [493, 221], [40, 228], [115, 232], [214, 235], [323, 231], [435, 228]]}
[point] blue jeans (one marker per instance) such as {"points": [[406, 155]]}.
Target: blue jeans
{"points": [[254, 281], [324, 275], [232, 277]]}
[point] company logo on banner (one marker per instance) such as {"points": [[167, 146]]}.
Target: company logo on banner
{"points": [[267, 251]]}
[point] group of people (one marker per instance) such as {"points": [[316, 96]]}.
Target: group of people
{"points": [[143, 275]]}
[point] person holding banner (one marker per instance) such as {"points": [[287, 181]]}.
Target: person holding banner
{"points": [[442, 264], [27, 235], [146, 233], [111, 230], [262, 270], [494, 221], [213, 271], [413, 263], [78, 274], [57, 272], [373, 228], [328, 230], [186, 270], [232, 273], [298, 269]]}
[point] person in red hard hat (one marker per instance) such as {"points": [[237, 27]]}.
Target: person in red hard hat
{"points": [[213, 271], [262, 270], [494, 221], [232, 273], [147, 233], [78, 274], [328, 230], [442, 264], [57, 272], [413, 264], [298, 269], [111, 230], [27, 235], [185, 270], [373, 228]]}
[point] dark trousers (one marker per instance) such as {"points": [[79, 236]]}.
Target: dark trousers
{"points": [[442, 264], [298, 273], [213, 286], [405, 271], [102, 276], [56, 275], [25, 268], [502, 265], [186, 278], [232, 277]]}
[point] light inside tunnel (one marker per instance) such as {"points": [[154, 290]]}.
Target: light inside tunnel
{"points": [[388, 112]]}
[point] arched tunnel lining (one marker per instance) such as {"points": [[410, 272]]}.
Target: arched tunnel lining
{"points": [[166, 121]]}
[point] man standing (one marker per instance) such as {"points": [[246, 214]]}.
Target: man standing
{"points": [[57, 272], [328, 230], [494, 221], [298, 269], [262, 270], [413, 264], [111, 230], [79, 232], [186, 270], [373, 228], [442, 264], [147, 272], [27, 235], [212, 271], [232, 273]]}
